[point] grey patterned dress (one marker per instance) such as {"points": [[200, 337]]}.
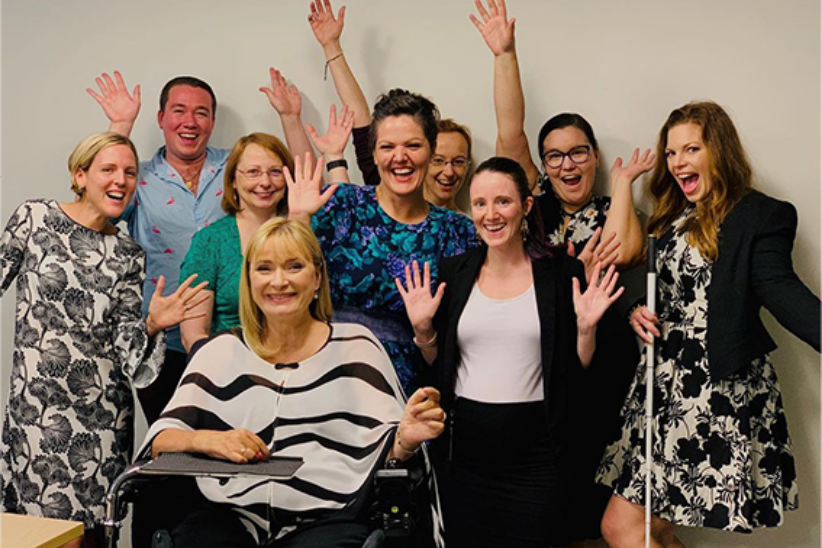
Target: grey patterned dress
{"points": [[721, 452], [79, 338]]}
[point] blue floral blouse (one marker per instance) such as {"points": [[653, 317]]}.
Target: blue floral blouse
{"points": [[365, 250]]}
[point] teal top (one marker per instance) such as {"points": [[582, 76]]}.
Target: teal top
{"points": [[216, 257]]}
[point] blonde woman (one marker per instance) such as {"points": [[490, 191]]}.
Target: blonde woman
{"points": [[290, 383], [80, 338]]}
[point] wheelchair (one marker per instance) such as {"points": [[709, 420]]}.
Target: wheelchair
{"points": [[391, 512]]}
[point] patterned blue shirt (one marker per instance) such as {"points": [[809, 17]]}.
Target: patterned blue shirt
{"points": [[365, 250], [164, 215]]}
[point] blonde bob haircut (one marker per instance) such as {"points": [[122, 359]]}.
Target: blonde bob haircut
{"points": [[87, 150], [289, 238], [731, 178], [269, 143]]}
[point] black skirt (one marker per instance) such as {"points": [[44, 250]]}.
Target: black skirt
{"points": [[501, 485]]}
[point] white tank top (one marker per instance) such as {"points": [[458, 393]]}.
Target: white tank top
{"points": [[500, 352]]}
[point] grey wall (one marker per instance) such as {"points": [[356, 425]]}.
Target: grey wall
{"points": [[624, 65]]}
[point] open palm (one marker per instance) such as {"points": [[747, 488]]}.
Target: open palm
{"points": [[326, 27], [420, 304], [600, 294], [496, 29]]}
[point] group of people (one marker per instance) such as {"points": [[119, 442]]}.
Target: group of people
{"points": [[259, 312]]}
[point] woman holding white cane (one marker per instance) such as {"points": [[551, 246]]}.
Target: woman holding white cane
{"points": [[722, 456]]}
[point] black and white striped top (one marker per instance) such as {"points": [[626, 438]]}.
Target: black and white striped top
{"points": [[338, 410]]}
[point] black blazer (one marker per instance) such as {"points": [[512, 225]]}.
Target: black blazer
{"points": [[558, 334], [754, 269]]}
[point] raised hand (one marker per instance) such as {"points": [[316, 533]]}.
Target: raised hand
{"points": [[283, 95], [168, 311], [305, 188], [119, 106], [644, 324], [327, 28], [496, 29], [636, 166], [238, 445], [339, 131], [604, 252], [420, 304], [422, 419], [598, 297]]}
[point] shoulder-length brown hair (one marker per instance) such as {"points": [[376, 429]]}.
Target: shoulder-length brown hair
{"points": [[293, 236], [730, 170], [231, 202]]}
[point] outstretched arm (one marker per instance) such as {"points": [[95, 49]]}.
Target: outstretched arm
{"points": [[773, 279], [286, 100], [509, 102], [328, 30], [622, 219], [120, 107]]}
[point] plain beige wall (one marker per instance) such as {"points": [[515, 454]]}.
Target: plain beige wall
{"points": [[624, 65]]}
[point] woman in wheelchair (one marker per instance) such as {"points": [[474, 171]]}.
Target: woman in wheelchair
{"points": [[290, 383]]}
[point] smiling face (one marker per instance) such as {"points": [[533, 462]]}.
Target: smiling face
{"points": [[187, 122], [444, 181], [572, 183], [497, 209], [283, 282], [688, 161], [110, 181], [259, 180], [402, 154]]}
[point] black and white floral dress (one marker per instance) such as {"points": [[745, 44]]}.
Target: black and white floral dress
{"points": [[79, 337], [721, 452], [579, 226]]}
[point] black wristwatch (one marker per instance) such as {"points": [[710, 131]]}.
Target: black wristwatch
{"points": [[334, 164]]}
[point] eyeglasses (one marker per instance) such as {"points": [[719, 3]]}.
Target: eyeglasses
{"points": [[254, 173], [578, 155], [457, 163]]}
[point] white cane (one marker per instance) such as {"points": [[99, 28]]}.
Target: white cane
{"points": [[649, 387]]}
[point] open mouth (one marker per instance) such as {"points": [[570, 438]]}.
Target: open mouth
{"points": [[403, 174], [447, 184], [280, 298], [188, 137], [116, 196], [494, 228], [571, 180], [689, 182]]}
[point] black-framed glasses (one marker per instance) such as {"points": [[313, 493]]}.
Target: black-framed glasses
{"points": [[460, 162], [554, 158], [254, 173]]}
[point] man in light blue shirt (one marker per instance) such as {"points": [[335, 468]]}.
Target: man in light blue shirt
{"points": [[179, 192], [180, 189]]}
